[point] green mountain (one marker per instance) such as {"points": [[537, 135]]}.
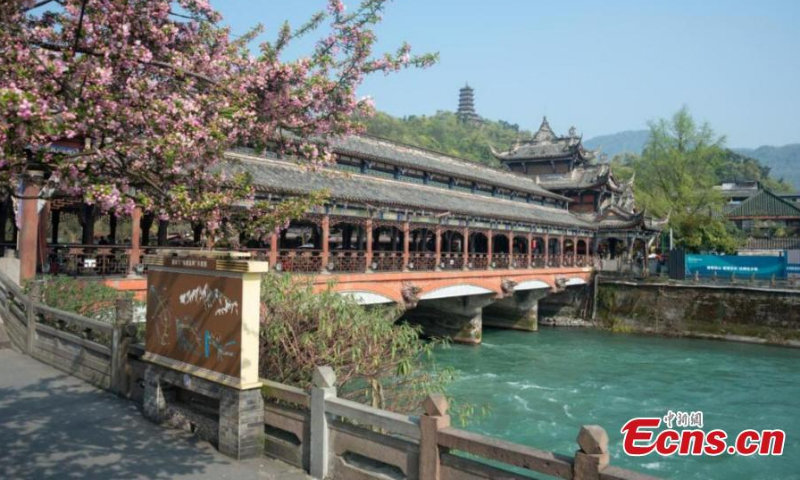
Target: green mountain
{"points": [[631, 141], [444, 133], [776, 162], [783, 162]]}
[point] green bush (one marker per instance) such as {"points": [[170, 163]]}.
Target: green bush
{"points": [[377, 361], [89, 298]]}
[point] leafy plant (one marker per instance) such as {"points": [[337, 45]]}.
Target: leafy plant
{"points": [[377, 361], [88, 298]]}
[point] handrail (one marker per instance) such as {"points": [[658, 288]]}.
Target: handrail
{"points": [[285, 393], [510, 453], [393, 422], [74, 318]]}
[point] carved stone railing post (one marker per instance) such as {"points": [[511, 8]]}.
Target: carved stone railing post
{"points": [[324, 388], [435, 419], [120, 341], [34, 295], [593, 455]]}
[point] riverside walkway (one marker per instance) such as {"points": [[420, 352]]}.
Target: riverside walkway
{"points": [[53, 425]]}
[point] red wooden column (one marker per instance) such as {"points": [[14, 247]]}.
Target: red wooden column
{"points": [[29, 227], [274, 239], [574, 251], [326, 230], [530, 250], [368, 227], [44, 216], [136, 240], [491, 246], [406, 244], [438, 247], [561, 250], [510, 237], [465, 249], [547, 250]]}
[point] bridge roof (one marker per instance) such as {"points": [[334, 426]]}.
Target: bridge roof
{"points": [[374, 148], [287, 177]]}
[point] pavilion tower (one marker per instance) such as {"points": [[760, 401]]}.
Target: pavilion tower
{"points": [[466, 105]]}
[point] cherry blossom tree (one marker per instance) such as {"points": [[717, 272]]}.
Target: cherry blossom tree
{"points": [[153, 92]]}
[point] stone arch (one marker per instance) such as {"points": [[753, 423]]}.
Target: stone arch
{"points": [[459, 290], [534, 284], [365, 297], [573, 281]]}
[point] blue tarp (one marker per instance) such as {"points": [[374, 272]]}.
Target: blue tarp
{"points": [[741, 266]]}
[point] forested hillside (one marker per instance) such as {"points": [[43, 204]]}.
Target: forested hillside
{"points": [[444, 133], [783, 162]]}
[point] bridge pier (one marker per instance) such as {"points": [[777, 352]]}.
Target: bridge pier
{"points": [[519, 311], [458, 318]]}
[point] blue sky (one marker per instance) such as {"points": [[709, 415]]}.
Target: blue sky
{"points": [[603, 66]]}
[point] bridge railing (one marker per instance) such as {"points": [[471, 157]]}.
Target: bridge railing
{"points": [[452, 261], [347, 261], [478, 261], [114, 260], [519, 260], [422, 261], [332, 437], [299, 261], [387, 261], [90, 349]]}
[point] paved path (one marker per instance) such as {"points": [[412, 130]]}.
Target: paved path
{"points": [[56, 426]]}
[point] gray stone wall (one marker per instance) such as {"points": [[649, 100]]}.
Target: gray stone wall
{"points": [[571, 303], [671, 309]]}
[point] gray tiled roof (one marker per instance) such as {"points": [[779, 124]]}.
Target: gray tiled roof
{"points": [[580, 177], [286, 177], [546, 145], [364, 146]]}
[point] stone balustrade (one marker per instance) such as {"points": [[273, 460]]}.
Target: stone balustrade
{"points": [[336, 438]]}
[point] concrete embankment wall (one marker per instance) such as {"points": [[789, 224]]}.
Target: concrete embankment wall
{"points": [[705, 310]]}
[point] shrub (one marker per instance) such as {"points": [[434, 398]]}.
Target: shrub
{"points": [[376, 360], [88, 298]]}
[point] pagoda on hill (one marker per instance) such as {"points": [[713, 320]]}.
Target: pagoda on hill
{"points": [[466, 105]]}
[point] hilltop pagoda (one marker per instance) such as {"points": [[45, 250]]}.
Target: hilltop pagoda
{"points": [[466, 105]]}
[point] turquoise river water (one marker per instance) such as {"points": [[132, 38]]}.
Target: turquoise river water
{"points": [[542, 386]]}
